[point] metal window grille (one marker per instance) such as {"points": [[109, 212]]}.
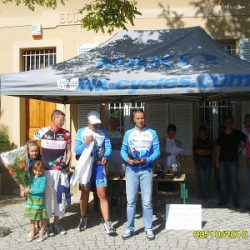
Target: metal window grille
{"points": [[120, 110], [229, 46], [212, 114], [38, 58]]}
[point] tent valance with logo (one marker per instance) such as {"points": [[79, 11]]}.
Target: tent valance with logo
{"points": [[139, 65]]}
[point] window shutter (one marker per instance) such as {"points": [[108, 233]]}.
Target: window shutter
{"points": [[157, 117], [83, 110], [245, 49], [181, 114]]}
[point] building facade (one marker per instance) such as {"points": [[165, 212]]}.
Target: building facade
{"points": [[36, 39]]}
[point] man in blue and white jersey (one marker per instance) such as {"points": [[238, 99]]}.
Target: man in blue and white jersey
{"points": [[101, 152], [140, 148]]}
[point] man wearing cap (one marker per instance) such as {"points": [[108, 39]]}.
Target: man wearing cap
{"points": [[101, 152]]}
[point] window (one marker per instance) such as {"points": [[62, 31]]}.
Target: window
{"points": [[116, 112], [122, 113], [38, 58], [212, 114], [229, 46]]}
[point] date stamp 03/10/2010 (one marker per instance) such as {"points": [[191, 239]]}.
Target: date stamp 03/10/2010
{"points": [[216, 234]]}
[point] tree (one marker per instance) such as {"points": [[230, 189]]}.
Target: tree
{"points": [[101, 15]]}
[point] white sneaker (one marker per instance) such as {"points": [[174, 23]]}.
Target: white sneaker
{"points": [[150, 234], [109, 229], [127, 234], [59, 229]]}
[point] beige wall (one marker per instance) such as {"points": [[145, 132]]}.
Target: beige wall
{"points": [[62, 29]]}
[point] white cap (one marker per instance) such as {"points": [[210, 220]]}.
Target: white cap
{"points": [[94, 117]]}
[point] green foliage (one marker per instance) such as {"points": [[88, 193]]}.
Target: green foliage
{"points": [[31, 4], [5, 144], [109, 14], [100, 14]]}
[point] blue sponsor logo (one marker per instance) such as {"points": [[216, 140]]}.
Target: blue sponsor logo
{"points": [[200, 60], [167, 61], [203, 81]]}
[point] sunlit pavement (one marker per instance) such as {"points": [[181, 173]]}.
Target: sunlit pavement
{"points": [[215, 221]]}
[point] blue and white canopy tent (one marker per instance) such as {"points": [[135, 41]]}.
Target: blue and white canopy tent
{"points": [[139, 65]]}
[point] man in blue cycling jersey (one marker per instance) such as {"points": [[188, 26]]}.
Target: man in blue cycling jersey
{"points": [[140, 148], [101, 152]]}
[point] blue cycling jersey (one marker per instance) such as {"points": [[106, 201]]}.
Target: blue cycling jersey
{"points": [[102, 146], [140, 145]]}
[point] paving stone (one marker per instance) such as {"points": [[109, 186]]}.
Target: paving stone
{"points": [[217, 219]]}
